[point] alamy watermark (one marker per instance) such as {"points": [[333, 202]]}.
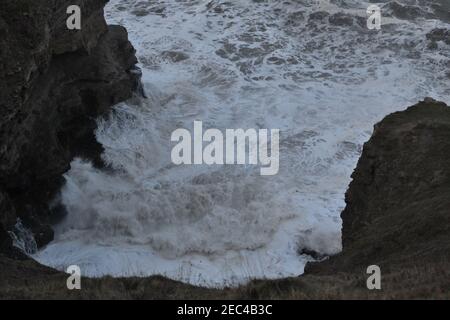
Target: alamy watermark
{"points": [[73, 22], [374, 280], [234, 146], [74, 280], [374, 20]]}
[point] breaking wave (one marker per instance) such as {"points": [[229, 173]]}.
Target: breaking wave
{"points": [[309, 68]]}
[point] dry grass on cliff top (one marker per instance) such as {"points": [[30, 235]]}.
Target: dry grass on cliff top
{"points": [[29, 280]]}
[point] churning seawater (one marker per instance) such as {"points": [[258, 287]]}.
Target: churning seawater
{"points": [[309, 68]]}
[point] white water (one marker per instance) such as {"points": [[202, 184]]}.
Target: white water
{"points": [[249, 64]]}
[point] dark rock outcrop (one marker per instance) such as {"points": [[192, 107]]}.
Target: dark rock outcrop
{"points": [[398, 204], [397, 216], [54, 82]]}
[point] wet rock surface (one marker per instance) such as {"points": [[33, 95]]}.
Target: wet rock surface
{"points": [[397, 212], [54, 82]]}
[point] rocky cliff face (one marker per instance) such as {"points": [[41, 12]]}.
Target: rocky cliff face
{"points": [[398, 204], [399, 199], [397, 216], [54, 82]]}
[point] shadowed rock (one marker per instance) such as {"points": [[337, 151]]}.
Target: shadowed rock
{"points": [[398, 208], [54, 82]]}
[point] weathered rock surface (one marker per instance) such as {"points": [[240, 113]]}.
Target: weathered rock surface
{"points": [[398, 204], [54, 82]]}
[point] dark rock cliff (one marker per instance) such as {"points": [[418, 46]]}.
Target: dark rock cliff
{"points": [[398, 204], [54, 82], [397, 216]]}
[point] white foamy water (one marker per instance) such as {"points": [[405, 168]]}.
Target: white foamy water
{"points": [[239, 64]]}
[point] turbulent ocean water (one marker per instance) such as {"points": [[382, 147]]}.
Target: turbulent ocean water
{"points": [[309, 68]]}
